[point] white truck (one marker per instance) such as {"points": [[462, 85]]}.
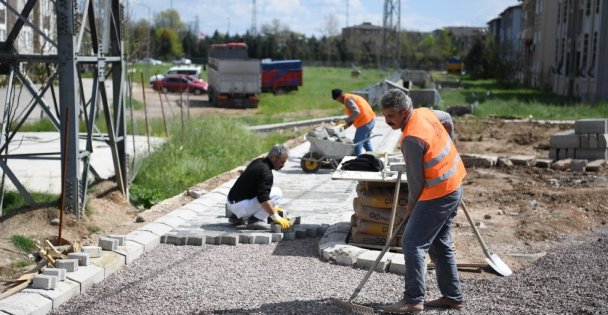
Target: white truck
{"points": [[234, 79]]}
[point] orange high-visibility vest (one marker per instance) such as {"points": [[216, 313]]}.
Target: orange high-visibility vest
{"points": [[443, 168], [366, 113]]}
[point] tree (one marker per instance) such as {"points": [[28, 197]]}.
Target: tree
{"points": [[167, 43]]}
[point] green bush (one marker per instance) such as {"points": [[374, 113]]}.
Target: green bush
{"points": [[23, 243]]}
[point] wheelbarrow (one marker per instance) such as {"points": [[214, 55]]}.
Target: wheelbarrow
{"points": [[327, 151]]}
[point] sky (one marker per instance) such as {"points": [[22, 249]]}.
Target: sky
{"points": [[310, 17]]}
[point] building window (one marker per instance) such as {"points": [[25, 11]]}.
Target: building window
{"points": [[565, 11], [2, 14], [597, 6], [559, 10], [585, 53], [588, 8]]}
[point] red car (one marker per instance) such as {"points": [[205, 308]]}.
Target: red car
{"points": [[174, 83]]}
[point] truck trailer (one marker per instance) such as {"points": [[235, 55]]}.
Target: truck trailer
{"points": [[281, 76], [233, 77]]}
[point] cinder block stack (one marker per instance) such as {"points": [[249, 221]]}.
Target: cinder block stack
{"points": [[587, 141], [373, 206]]}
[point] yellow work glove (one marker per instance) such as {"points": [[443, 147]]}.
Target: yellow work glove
{"points": [[279, 210], [284, 223], [340, 122]]}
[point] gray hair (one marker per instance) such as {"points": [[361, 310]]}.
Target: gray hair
{"points": [[397, 99], [278, 150]]}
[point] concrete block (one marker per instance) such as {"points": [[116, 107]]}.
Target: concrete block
{"points": [[397, 264], [301, 233], [83, 258], [275, 228], [477, 160], [94, 251], [157, 228], [584, 139], [565, 139], [562, 165], [195, 240], [227, 212], [367, 259], [63, 292], [246, 239], [87, 276], [311, 231], [602, 141], [595, 165], [553, 155], [592, 154], [571, 153], [578, 165], [121, 239], [543, 163], [170, 221], [322, 229], [340, 227], [289, 235], [148, 239], [524, 160], [593, 141], [329, 253], [57, 272], [229, 239], [131, 251], [263, 239], [44, 282], [211, 239], [110, 262], [174, 239], [277, 237], [26, 303], [591, 125], [183, 213], [70, 265], [347, 256], [107, 243]]}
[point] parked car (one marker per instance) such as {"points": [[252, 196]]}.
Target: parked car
{"points": [[192, 71], [149, 61], [182, 61], [180, 83]]}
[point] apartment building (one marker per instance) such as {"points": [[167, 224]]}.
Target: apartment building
{"points": [[365, 41], [29, 40], [537, 42], [581, 57]]}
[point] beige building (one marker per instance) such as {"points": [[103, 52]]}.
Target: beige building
{"points": [[30, 41], [364, 41], [537, 42], [581, 58]]}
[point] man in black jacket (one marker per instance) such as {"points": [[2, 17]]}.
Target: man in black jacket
{"points": [[252, 198]]}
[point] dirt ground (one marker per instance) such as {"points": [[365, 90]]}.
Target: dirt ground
{"points": [[523, 212]]}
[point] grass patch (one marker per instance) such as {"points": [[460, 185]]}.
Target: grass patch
{"points": [[21, 263], [13, 200], [23, 243], [93, 229]]}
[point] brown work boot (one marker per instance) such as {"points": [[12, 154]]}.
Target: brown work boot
{"points": [[402, 307], [444, 302]]}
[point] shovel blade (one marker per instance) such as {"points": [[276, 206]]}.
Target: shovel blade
{"points": [[498, 265]]}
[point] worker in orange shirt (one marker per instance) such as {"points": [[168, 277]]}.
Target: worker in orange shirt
{"points": [[359, 114]]}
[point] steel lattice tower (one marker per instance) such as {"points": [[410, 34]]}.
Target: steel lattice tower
{"points": [[391, 43]]}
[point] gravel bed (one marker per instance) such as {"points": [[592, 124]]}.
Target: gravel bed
{"points": [[289, 278]]}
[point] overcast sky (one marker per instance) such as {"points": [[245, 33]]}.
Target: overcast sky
{"points": [[309, 16]]}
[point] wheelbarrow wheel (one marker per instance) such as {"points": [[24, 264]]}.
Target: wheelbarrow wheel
{"points": [[310, 162]]}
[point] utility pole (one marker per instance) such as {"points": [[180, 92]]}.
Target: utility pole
{"points": [[391, 43], [254, 23]]}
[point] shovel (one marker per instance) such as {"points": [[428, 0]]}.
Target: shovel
{"points": [[492, 259]]}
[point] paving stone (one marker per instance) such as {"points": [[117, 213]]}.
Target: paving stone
{"points": [[170, 221], [301, 233], [593, 141], [183, 213], [543, 163], [107, 243], [44, 282], [263, 239], [26, 303], [70, 265], [63, 292], [57, 272], [562, 165], [591, 125], [328, 252], [478, 160], [246, 239], [211, 239], [578, 165], [592, 154], [311, 231], [602, 141], [277, 237], [195, 240], [94, 251], [87, 276], [347, 255], [83, 258], [229, 239], [524, 160], [148, 239], [131, 251], [177, 239], [289, 235], [565, 139], [584, 139], [595, 165], [121, 239], [110, 262]]}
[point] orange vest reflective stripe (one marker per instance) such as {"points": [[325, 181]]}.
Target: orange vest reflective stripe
{"points": [[366, 113], [443, 168]]}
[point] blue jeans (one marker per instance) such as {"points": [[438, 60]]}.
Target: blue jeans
{"points": [[362, 133], [429, 230]]}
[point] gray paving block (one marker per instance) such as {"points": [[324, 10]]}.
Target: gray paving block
{"points": [[70, 265], [397, 264], [591, 125], [57, 272], [94, 251], [277, 237], [26, 303], [44, 282], [289, 235], [301, 233], [562, 165], [367, 259], [110, 262], [246, 238], [87, 276], [602, 141], [157, 228], [578, 165], [593, 141], [311, 231], [107, 243], [592, 154], [211, 239], [329, 251], [63, 292], [584, 138], [183, 213], [553, 155], [478, 160], [564, 139], [170, 221], [229, 239], [595, 165], [524, 160], [121, 239], [174, 239], [347, 256], [263, 239], [148, 239], [195, 240], [543, 163], [131, 251], [83, 258]]}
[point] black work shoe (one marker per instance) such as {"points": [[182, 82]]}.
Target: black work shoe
{"points": [[235, 220], [444, 302], [254, 223]]}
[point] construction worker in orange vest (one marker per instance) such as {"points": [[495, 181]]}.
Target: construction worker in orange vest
{"points": [[434, 175], [359, 114]]}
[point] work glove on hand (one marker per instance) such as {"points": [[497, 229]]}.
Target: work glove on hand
{"points": [[284, 223], [279, 211]]}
